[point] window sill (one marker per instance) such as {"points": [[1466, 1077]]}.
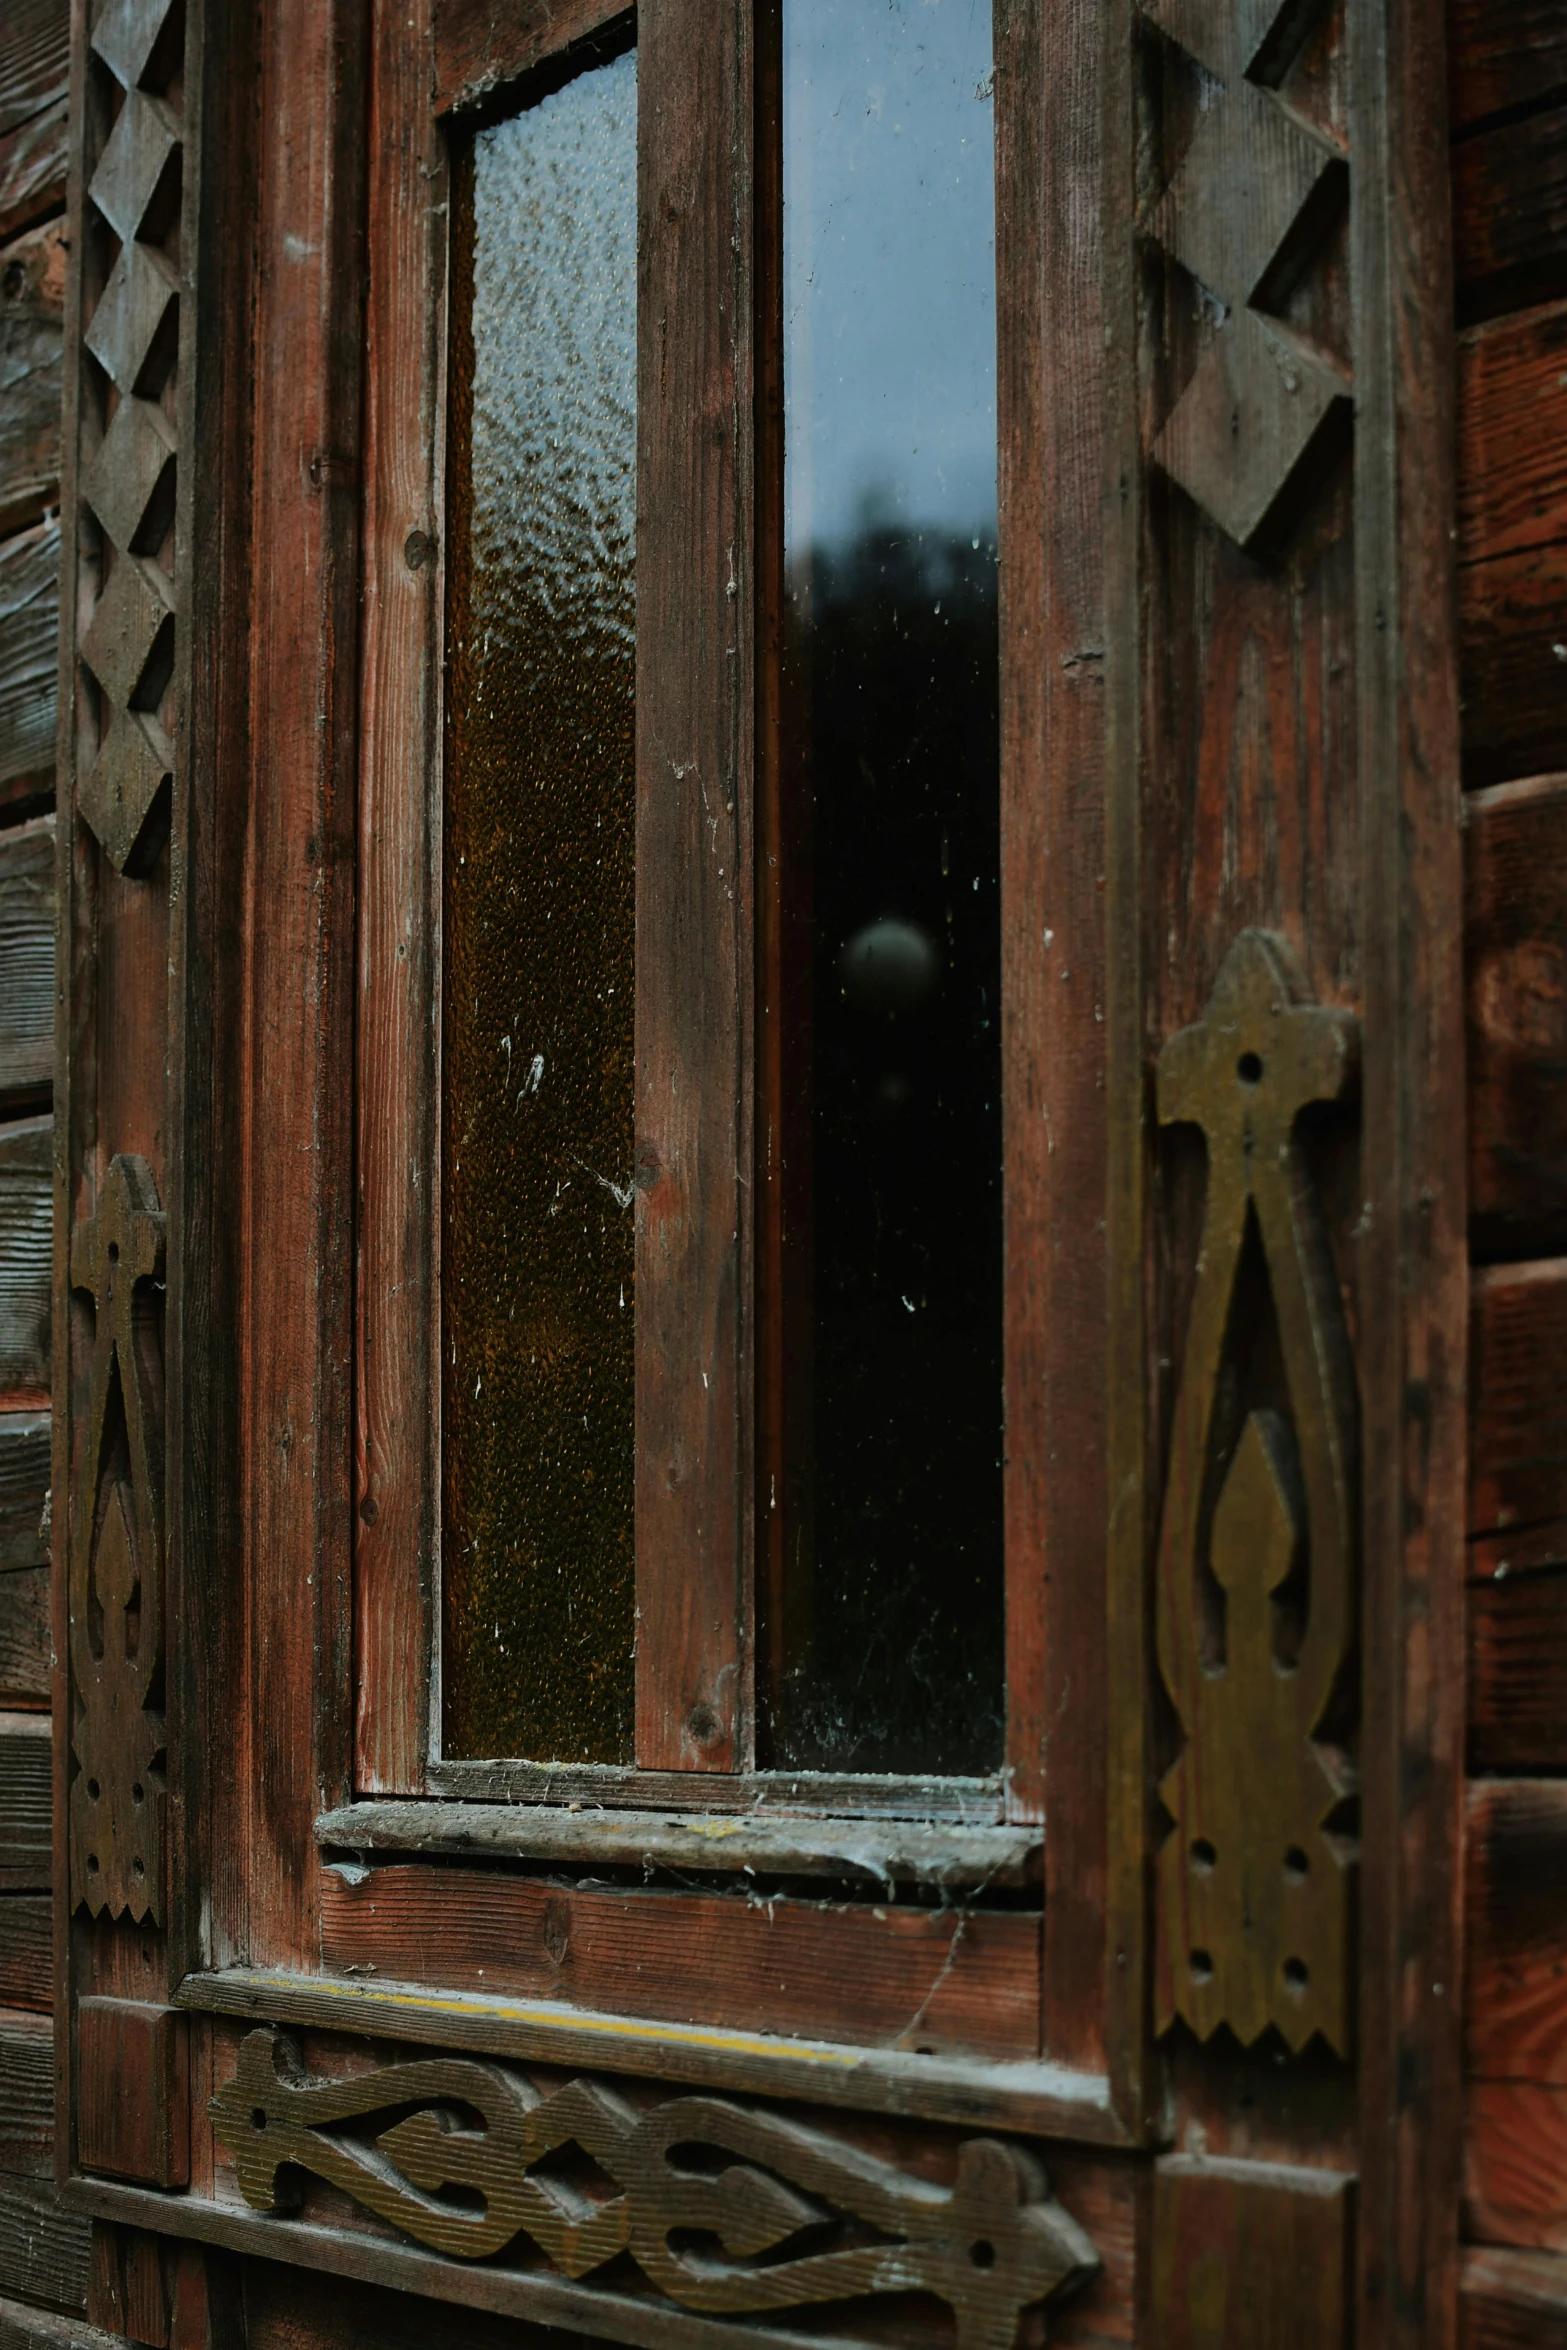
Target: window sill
{"points": [[885, 1854]]}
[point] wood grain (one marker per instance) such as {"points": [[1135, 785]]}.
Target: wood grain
{"points": [[26, 1953], [26, 1257], [32, 310], [1515, 976], [1513, 616], [1515, 2164], [43, 2249], [133, 2094], [1515, 1897], [1512, 2300], [1518, 1388], [27, 959], [481, 44], [26, 2096], [1050, 358], [34, 74], [949, 1980], [1510, 214], [1246, 2253], [24, 1489], [695, 723], [397, 1415], [1512, 433], [29, 631], [24, 1638], [1518, 1667], [295, 1096], [1503, 53], [26, 1804]]}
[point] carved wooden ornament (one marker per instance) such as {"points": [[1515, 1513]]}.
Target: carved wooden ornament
{"points": [[1253, 1895], [129, 440], [116, 1560], [700, 2191], [1243, 211]]}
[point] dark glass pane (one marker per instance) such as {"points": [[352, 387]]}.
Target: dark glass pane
{"points": [[537, 1554], [894, 1657]]}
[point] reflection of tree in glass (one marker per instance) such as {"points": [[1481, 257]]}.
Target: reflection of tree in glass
{"points": [[893, 660]]}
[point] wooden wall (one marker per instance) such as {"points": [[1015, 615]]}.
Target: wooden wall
{"points": [[44, 2251], [1509, 131]]}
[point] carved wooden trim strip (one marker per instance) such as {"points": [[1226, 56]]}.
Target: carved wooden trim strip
{"points": [[117, 1791], [1245, 212], [133, 152], [1256, 1586], [699, 2190]]}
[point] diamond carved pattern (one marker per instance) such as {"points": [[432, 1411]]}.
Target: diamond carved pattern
{"points": [[127, 480], [1241, 211]]}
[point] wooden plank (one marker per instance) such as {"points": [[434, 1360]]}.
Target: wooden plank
{"points": [[1515, 970], [864, 1854], [1501, 54], [32, 312], [26, 1256], [133, 2091], [29, 630], [479, 46], [24, 1638], [27, 959], [24, 1489], [26, 1804], [26, 1951], [44, 2250], [947, 1980], [1515, 1900], [1512, 433], [694, 685], [1278, 2237], [291, 1097], [26, 2096], [1513, 624], [1413, 1302], [1515, 2165], [1050, 362], [1518, 1391], [1510, 215], [1518, 1668], [22, 2328], [397, 1405], [34, 77], [1512, 2300]]}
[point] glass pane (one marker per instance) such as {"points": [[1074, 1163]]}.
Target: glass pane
{"points": [[537, 1556], [894, 1658]]}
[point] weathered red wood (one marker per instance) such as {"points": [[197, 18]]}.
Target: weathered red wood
{"points": [[1503, 53], [132, 2104], [1512, 614], [1510, 214], [1515, 970], [295, 1113], [1518, 1665], [397, 1417], [1512, 433], [1515, 2164], [897, 1976], [1515, 1998], [695, 728], [1050, 356], [479, 46], [26, 1932], [26, 2096], [1512, 2300], [1518, 1391]]}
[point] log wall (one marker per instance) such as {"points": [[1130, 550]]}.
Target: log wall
{"points": [[1508, 65]]}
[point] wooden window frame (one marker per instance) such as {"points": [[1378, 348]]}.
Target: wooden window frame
{"points": [[708, 648]]}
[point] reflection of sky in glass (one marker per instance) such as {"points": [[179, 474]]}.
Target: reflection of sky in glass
{"points": [[889, 267]]}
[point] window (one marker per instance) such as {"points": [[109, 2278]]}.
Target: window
{"points": [[681, 1261]]}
